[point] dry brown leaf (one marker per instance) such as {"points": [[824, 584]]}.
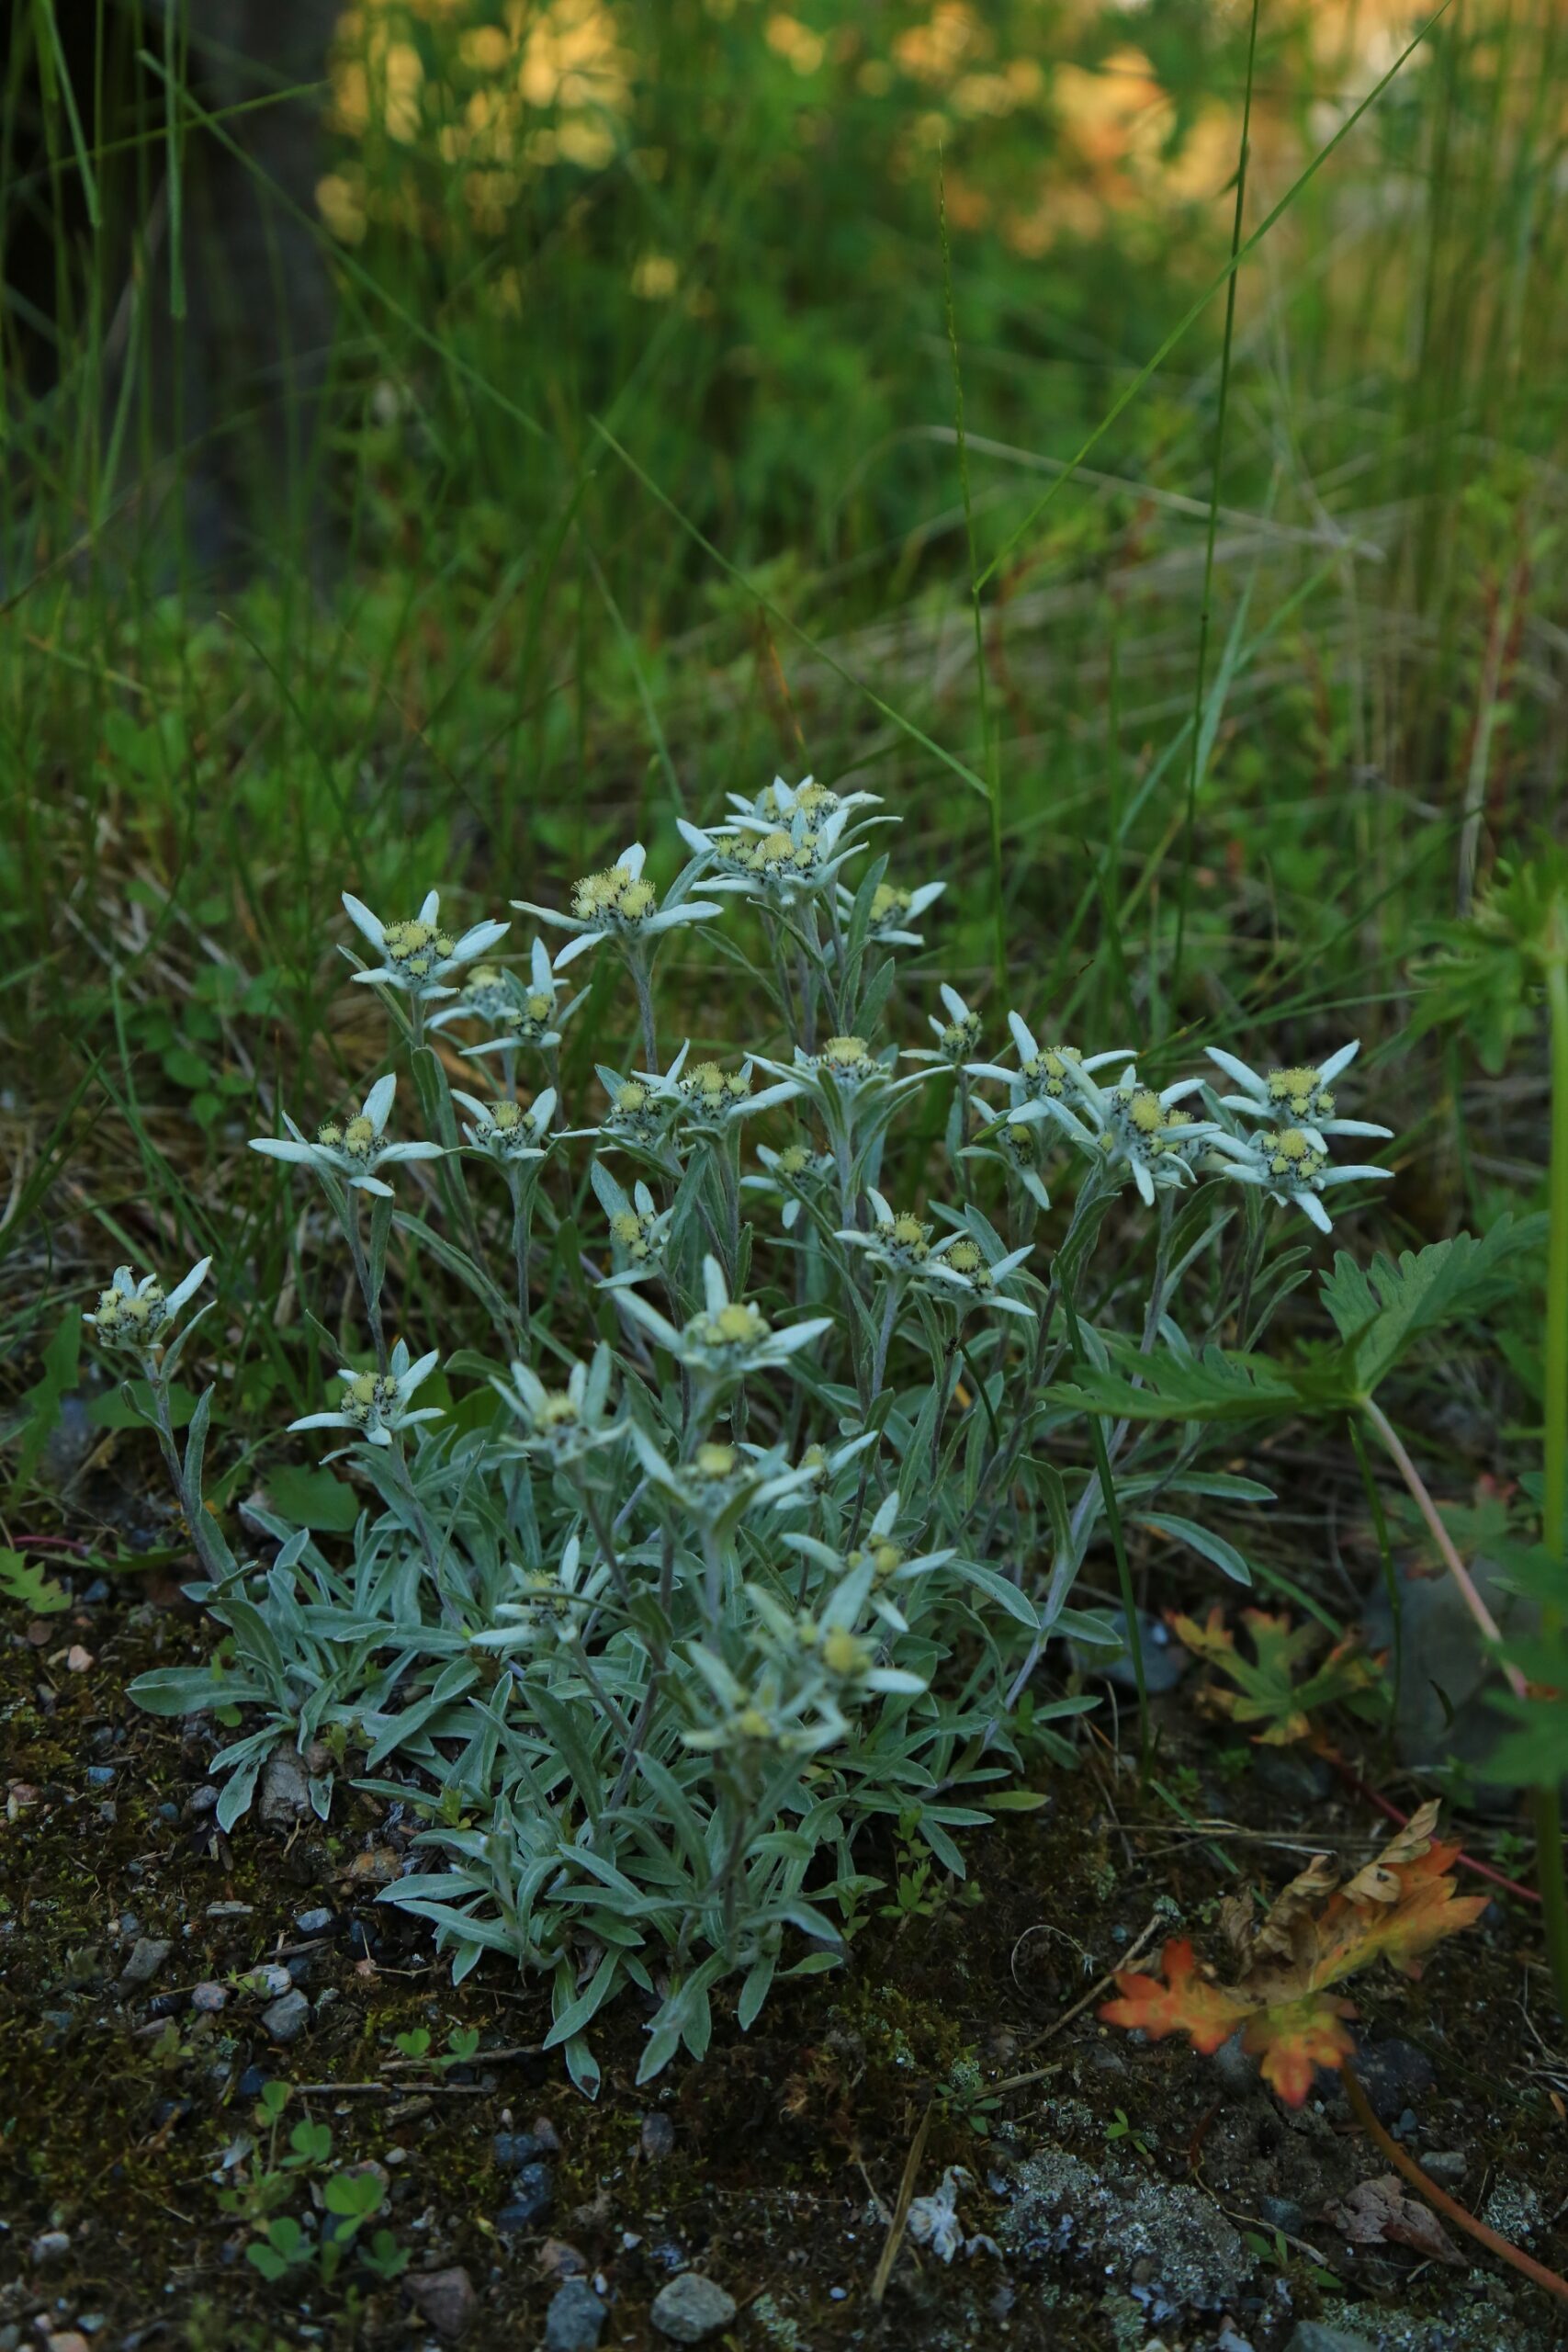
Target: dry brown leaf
{"points": [[1381, 2213]]}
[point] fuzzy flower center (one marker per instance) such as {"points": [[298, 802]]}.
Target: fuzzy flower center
{"points": [[844, 1653], [1295, 1157], [370, 1397], [635, 1232], [714, 1461], [712, 1088], [738, 1324], [1047, 1070], [1300, 1092], [890, 902], [615, 896], [849, 1054], [416, 947], [131, 1317], [886, 1559]]}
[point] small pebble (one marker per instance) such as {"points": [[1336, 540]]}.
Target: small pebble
{"points": [[445, 2299], [575, 2319], [545, 2132], [147, 1957], [51, 2245], [692, 2307], [267, 1980], [533, 2194], [168, 1813], [558, 2260], [657, 2137], [515, 2148], [286, 2019], [1446, 2165], [210, 1997], [78, 1661], [314, 1923], [70, 2342], [100, 1776], [250, 2083], [200, 1801]]}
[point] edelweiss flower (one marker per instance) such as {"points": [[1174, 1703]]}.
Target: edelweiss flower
{"points": [[785, 845], [1129, 1126], [830, 1640], [1292, 1166], [638, 1228], [504, 1130], [893, 909], [551, 1611], [133, 1314], [841, 1070], [514, 1016], [418, 955], [1295, 1098], [764, 1716], [973, 1265], [793, 1174], [350, 1149], [1044, 1073], [721, 1482], [729, 1337], [882, 1558], [375, 1403], [563, 1424], [957, 1037], [711, 1098], [898, 1241], [619, 904]]}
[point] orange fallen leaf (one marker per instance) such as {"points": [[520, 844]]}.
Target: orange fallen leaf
{"points": [[1314, 1935]]}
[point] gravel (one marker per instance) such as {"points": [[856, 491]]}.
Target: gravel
{"points": [[286, 2019], [692, 2307], [575, 2319]]}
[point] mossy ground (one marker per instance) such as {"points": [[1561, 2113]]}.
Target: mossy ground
{"points": [[116, 2122]]}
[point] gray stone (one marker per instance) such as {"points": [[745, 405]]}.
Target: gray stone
{"points": [[575, 2319], [1283, 2213], [533, 2195], [657, 2137], [147, 1957], [1448, 2164], [1235, 2071], [445, 2299], [286, 2019], [208, 1997], [314, 1923], [1164, 1660], [692, 2307], [285, 1796], [1394, 2073], [1442, 1676], [1312, 2336], [51, 2245], [201, 1801]]}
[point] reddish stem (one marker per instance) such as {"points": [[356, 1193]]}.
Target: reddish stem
{"points": [[1525, 2263]]}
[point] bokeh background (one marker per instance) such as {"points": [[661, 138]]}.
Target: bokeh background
{"points": [[445, 438]]}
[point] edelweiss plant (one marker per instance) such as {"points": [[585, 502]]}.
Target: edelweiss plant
{"points": [[742, 1519]]}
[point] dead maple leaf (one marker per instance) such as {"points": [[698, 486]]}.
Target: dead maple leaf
{"points": [[1314, 1935], [1379, 2212], [1273, 1688]]}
